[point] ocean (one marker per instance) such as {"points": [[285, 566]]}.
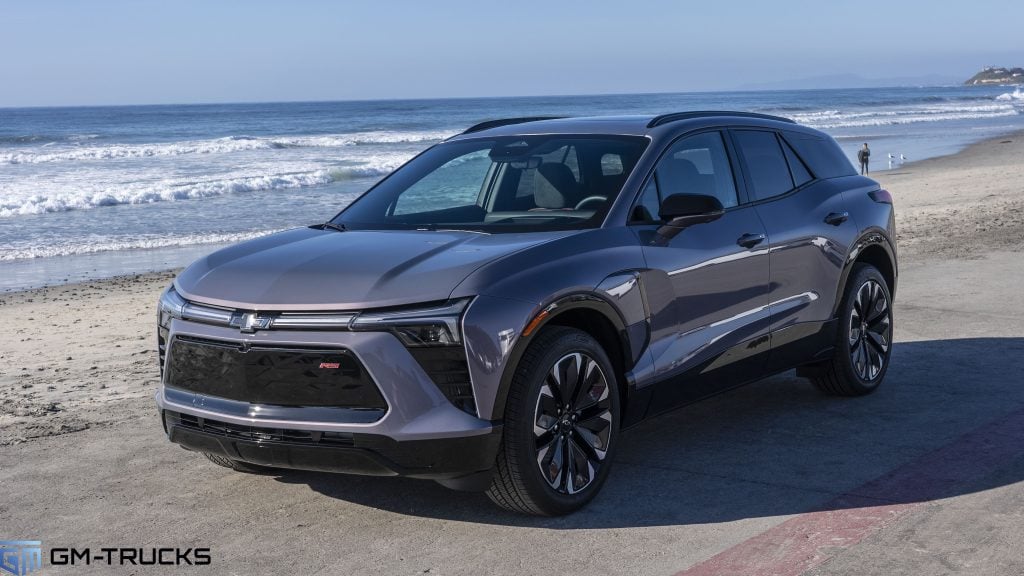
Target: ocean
{"points": [[93, 192]]}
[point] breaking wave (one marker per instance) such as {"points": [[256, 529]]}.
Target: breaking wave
{"points": [[42, 154], [1015, 96], [826, 119], [83, 195], [93, 244]]}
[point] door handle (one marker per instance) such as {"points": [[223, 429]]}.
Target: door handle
{"points": [[751, 240], [837, 218]]}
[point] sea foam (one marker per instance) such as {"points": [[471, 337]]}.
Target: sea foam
{"points": [[42, 196], [827, 119], [94, 244], [154, 192], [1015, 96], [48, 153]]}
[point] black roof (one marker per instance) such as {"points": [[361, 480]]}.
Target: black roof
{"points": [[488, 124], [676, 116], [638, 125]]}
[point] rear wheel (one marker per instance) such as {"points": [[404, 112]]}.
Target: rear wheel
{"points": [[864, 339], [561, 426], [237, 465]]}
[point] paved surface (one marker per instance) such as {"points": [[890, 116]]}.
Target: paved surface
{"points": [[924, 477]]}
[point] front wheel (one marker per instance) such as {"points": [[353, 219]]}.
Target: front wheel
{"points": [[864, 339], [561, 426]]}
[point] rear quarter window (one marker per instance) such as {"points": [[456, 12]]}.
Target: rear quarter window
{"points": [[796, 166], [823, 156]]}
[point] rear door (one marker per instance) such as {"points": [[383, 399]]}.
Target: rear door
{"points": [[809, 234], [707, 287]]}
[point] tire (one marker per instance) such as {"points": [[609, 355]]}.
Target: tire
{"points": [[237, 465], [863, 337], [532, 473]]}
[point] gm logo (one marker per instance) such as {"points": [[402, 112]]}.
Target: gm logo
{"points": [[21, 557]]}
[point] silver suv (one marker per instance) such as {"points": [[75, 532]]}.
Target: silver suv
{"points": [[493, 313]]}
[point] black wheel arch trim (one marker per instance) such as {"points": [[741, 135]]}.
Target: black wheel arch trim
{"points": [[556, 308], [869, 239]]}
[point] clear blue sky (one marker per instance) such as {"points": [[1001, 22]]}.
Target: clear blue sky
{"points": [[172, 51]]}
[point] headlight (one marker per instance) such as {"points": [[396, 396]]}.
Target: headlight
{"points": [[436, 326], [171, 306]]}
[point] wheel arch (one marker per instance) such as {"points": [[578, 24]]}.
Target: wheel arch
{"points": [[874, 248], [588, 313]]}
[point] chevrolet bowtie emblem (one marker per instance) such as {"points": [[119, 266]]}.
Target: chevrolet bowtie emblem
{"points": [[249, 321]]}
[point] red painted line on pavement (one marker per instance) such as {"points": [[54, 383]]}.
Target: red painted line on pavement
{"points": [[808, 540]]}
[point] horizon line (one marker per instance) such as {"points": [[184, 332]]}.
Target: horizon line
{"points": [[443, 98]]}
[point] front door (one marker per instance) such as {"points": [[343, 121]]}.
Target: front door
{"points": [[708, 285]]}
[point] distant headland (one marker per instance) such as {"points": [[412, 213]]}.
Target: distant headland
{"points": [[995, 76]]}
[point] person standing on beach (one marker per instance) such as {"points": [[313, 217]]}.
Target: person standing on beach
{"points": [[863, 155]]}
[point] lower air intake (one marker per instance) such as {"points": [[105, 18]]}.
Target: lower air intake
{"points": [[447, 368]]}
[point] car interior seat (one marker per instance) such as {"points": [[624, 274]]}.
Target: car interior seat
{"points": [[555, 187]]}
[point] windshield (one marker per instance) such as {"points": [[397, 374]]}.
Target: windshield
{"points": [[513, 184]]}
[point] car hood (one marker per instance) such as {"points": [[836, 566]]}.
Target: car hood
{"points": [[310, 269]]}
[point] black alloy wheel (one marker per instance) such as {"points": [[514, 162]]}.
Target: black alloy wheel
{"points": [[864, 336], [572, 423], [870, 331], [561, 425]]}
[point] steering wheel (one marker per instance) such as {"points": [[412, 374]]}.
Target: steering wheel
{"points": [[591, 200]]}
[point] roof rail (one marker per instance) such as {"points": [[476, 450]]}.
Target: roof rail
{"points": [[505, 122], [666, 118]]}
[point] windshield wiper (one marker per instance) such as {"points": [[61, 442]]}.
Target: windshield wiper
{"points": [[447, 228], [473, 230], [541, 216], [332, 226]]}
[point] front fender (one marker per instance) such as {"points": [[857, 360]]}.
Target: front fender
{"points": [[499, 330], [593, 269]]}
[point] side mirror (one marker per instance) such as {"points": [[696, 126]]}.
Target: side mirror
{"points": [[680, 211]]}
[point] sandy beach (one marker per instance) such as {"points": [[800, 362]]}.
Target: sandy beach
{"points": [[76, 356], [961, 205], [78, 371]]}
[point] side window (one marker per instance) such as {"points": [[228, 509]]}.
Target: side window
{"points": [[571, 159], [698, 165], [647, 208], [611, 165], [796, 166], [765, 163], [454, 184], [823, 156]]}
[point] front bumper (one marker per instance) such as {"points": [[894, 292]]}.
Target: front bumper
{"points": [[352, 453], [419, 433]]}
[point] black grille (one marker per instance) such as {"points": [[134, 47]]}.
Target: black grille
{"points": [[298, 377], [446, 366], [257, 433]]}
